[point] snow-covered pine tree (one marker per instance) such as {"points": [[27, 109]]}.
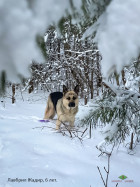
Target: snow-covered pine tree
{"points": [[69, 60], [77, 60], [118, 108]]}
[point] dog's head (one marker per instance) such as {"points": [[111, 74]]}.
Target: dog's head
{"points": [[70, 98]]}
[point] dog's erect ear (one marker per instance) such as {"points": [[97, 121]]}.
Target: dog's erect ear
{"points": [[65, 89], [76, 89]]}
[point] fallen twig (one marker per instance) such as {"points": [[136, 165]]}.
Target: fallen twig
{"points": [[108, 168], [66, 131]]}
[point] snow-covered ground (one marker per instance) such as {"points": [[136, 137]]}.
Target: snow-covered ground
{"points": [[42, 157]]}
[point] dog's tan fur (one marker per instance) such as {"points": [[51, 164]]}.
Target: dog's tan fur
{"points": [[64, 112], [49, 111]]}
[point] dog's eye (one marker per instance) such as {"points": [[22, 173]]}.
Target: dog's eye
{"points": [[74, 98], [68, 98]]}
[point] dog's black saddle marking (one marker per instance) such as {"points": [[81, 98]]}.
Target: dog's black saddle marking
{"points": [[55, 96]]}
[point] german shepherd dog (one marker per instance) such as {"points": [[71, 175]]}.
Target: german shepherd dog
{"points": [[64, 104]]}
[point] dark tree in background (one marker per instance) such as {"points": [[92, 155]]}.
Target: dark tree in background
{"points": [[69, 60], [2, 82]]}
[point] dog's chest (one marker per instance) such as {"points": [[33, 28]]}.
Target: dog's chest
{"points": [[66, 117]]}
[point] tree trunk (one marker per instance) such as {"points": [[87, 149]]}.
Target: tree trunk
{"points": [[85, 100], [13, 93], [31, 87], [131, 143], [91, 86], [123, 77], [117, 78]]}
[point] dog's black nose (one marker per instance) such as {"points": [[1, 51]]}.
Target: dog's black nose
{"points": [[71, 104]]}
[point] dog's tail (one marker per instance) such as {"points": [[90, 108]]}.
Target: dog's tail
{"points": [[50, 110]]}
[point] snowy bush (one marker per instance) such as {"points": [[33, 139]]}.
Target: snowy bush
{"points": [[119, 111], [69, 61]]}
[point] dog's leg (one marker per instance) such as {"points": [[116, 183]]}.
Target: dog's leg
{"points": [[46, 112], [49, 111], [71, 124], [49, 114], [58, 124]]}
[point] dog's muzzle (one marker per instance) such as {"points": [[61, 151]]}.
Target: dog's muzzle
{"points": [[71, 104]]}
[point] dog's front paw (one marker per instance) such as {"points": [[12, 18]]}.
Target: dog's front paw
{"points": [[57, 128]]}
